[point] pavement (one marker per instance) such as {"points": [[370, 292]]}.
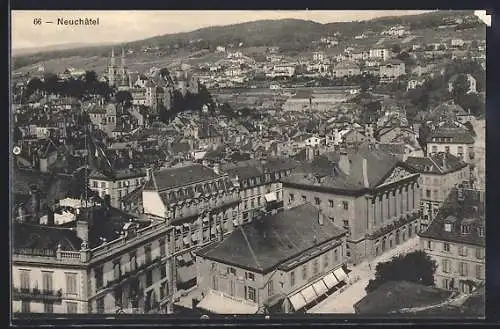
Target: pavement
{"points": [[359, 277]]}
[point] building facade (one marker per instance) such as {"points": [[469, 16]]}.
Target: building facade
{"points": [[455, 240], [371, 194], [439, 174], [199, 207], [456, 141], [288, 264]]}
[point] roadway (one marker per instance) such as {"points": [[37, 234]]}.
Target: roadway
{"points": [[359, 277]]}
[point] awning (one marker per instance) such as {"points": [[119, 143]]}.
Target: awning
{"points": [[340, 274], [309, 294], [212, 231], [330, 280], [178, 228], [205, 220], [218, 303], [186, 225], [297, 301], [185, 240], [194, 237], [235, 222], [179, 258], [320, 288], [270, 197]]}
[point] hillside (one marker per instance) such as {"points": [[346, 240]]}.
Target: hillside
{"points": [[289, 34]]}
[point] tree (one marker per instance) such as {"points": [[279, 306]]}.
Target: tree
{"points": [[461, 86], [417, 267], [396, 48], [124, 97], [423, 133], [35, 84], [470, 128]]}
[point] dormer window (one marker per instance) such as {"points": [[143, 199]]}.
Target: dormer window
{"points": [[447, 227], [465, 229]]}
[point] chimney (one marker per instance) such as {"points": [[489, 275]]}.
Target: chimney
{"points": [[365, 173], [82, 230], [35, 202], [50, 216], [344, 162], [320, 217]]}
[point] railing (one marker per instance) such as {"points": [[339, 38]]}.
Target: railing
{"points": [[37, 294], [68, 254], [133, 273], [125, 242]]}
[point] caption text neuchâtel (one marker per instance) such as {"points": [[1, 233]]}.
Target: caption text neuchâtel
{"points": [[78, 21]]}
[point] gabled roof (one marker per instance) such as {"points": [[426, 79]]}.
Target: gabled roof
{"points": [[440, 163], [266, 243], [175, 177]]}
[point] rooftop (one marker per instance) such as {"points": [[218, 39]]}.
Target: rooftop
{"points": [[270, 241], [393, 296], [457, 135], [440, 163], [165, 179], [455, 212]]}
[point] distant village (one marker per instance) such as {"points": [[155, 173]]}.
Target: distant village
{"points": [[247, 185]]}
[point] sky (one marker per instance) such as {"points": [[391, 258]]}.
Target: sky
{"points": [[123, 26]]}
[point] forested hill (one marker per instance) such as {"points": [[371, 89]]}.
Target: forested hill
{"points": [[289, 34]]}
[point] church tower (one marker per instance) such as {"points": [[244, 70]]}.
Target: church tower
{"points": [[112, 69]]}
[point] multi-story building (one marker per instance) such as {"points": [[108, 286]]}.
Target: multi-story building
{"points": [[380, 53], [455, 240], [454, 140], [104, 261], [439, 174], [259, 183], [372, 194], [391, 70], [199, 207], [284, 262], [345, 70], [116, 184], [103, 116]]}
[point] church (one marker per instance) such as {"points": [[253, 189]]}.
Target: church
{"points": [[117, 75]]}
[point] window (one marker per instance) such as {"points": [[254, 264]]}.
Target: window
{"points": [[317, 201], [480, 231], [103, 185], [25, 279], [304, 198], [214, 283], [315, 266], [251, 294], [446, 283], [346, 223], [447, 227], [71, 284], [48, 307], [292, 197], [429, 245], [116, 269], [25, 306], [304, 272], [94, 184], [325, 260], [335, 255], [162, 247], [163, 271], [479, 272], [162, 290], [462, 251], [345, 204], [119, 184], [99, 279], [479, 253], [133, 261], [330, 202], [270, 288], [118, 296], [147, 252], [434, 149], [292, 278], [427, 193], [249, 276], [446, 266], [100, 305], [446, 246], [447, 149], [465, 229], [47, 281], [460, 149], [149, 278], [231, 270], [463, 269]]}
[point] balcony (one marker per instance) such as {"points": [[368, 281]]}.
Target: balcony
{"points": [[133, 273], [36, 294]]}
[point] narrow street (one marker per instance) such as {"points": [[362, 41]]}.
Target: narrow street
{"points": [[344, 302]]}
